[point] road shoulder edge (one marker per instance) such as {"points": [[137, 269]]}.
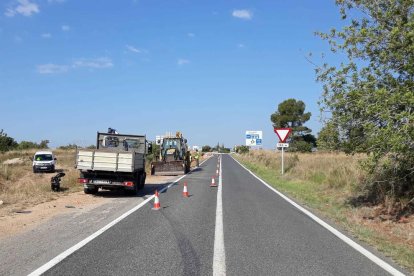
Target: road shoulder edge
{"points": [[371, 256]]}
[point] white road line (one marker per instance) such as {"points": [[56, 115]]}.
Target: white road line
{"points": [[84, 242], [384, 265], [219, 258]]}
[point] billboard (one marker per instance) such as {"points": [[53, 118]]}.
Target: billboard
{"points": [[254, 138]]}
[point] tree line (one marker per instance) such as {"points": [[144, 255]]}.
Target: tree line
{"points": [[8, 143]]}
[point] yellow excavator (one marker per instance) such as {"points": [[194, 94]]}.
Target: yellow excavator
{"points": [[174, 157]]}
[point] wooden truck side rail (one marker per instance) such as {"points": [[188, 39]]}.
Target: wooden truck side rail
{"points": [[99, 160]]}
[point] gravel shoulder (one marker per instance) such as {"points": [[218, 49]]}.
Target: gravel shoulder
{"points": [[30, 239]]}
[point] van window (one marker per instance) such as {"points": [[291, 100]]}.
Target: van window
{"points": [[43, 157]]}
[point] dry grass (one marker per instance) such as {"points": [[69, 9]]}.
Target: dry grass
{"points": [[21, 188], [325, 182], [330, 169]]}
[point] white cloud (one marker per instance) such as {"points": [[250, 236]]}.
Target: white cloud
{"points": [[97, 63], [10, 12], [241, 45], [191, 35], [133, 49], [51, 68], [182, 61], [65, 28], [243, 14], [23, 7], [56, 1], [46, 35]]}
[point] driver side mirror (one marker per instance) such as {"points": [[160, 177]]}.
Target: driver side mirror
{"points": [[31, 159]]}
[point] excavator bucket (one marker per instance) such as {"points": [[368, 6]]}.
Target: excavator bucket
{"points": [[168, 168]]}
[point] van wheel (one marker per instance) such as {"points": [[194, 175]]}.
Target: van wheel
{"points": [[34, 170]]}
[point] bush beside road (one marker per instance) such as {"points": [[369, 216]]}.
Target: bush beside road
{"points": [[325, 182]]}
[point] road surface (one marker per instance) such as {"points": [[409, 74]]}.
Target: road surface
{"points": [[259, 233]]}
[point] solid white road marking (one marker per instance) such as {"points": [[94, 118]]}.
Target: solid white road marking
{"points": [[219, 258], [84, 242], [384, 265]]}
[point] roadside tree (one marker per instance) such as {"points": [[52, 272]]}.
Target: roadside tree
{"points": [[328, 137], [6, 143], [206, 148], [371, 93], [291, 114]]}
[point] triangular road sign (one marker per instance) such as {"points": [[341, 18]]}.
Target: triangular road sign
{"points": [[283, 133]]}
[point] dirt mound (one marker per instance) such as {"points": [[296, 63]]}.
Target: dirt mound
{"points": [[14, 161]]}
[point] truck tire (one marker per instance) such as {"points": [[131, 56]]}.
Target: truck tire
{"points": [[91, 191], [137, 184], [142, 178]]}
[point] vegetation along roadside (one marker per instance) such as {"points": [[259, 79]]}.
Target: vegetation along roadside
{"points": [[327, 183]]}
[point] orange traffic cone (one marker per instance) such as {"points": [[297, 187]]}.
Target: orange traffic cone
{"points": [[185, 191], [213, 182], [157, 204]]}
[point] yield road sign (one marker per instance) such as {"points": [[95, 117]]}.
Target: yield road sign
{"points": [[283, 133], [282, 145]]}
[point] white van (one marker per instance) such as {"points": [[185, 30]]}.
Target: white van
{"points": [[44, 161]]}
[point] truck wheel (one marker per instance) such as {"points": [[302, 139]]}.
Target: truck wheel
{"points": [[133, 192], [91, 191], [142, 178]]}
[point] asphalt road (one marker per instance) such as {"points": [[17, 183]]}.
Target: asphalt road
{"points": [[263, 235], [25, 252]]}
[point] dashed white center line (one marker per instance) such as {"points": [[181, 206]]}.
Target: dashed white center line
{"points": [[219, 258]]}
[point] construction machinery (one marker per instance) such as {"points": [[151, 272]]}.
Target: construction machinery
{"points": [[174, 158]]}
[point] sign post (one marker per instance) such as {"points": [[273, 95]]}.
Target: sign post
{"points": [[283, 162], [283, 134]]}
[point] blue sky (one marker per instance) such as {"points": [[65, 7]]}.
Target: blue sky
{"points": [[211, 69]]}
